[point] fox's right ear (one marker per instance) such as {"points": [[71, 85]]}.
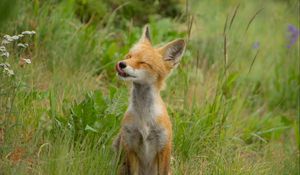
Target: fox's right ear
{"points": [[146, 34]]}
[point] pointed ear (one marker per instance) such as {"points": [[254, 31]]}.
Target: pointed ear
{"points": [[146, 34], [173, 51]]}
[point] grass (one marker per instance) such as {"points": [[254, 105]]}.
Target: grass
{"points": [[234, 107]]}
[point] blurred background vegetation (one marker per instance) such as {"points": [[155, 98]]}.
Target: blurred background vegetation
{"points": [[234, 100]]}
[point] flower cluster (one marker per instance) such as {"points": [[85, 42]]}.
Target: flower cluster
{"points": [[256, 45], [293, 35], [5, 54], [6, 68]]}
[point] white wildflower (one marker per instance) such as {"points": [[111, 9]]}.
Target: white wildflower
{"points": [[28, 61], [2, 49], [22, 45], [5, 54], [10, 72], [6, 36], [5, 42], [15, 37], [28, 33], [20, 35]]}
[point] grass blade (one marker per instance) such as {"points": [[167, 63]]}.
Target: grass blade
{"points": [[234, 15], [253, 61], [251, 20], [225, 25]]}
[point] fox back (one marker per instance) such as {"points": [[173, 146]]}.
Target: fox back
{"points": [[146, 130]]}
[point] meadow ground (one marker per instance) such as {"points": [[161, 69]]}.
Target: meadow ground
{"points": [[233, 101]]}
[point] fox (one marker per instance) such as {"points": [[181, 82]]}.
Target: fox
{"points": [[145, 135]]}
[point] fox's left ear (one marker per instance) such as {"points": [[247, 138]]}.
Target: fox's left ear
{"points": [[146, 34], [173, 51]]}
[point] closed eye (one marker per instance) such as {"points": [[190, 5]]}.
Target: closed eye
{"points": [[144, 63]]}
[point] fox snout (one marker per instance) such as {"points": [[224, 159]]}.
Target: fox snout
{"points": [[120, 66]]}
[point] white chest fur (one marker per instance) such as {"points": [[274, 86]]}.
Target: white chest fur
{"points": [[144, 103], [143, 135]]}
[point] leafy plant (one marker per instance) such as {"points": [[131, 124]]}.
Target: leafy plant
{"points": [[96, 113]]}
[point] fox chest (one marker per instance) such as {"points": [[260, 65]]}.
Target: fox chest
{"points": [[145, 140]]}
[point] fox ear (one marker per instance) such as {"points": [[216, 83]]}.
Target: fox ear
{"points": [[146, 34], [173, 51]]}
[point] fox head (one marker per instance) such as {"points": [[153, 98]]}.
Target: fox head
{"points": [[146, 64]]}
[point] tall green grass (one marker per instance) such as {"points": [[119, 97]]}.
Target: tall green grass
{"points": [[234, 107]]}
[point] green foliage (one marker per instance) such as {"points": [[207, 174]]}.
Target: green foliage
{"points": [[6, 9], [61, 113], [93, 11]]}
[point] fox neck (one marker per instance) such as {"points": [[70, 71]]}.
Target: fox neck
{"points": [[146, 102]]}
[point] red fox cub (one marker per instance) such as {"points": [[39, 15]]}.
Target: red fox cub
{"points": [[146, 130]]}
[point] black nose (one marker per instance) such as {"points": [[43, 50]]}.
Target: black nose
{"points": [[122, 65]]}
